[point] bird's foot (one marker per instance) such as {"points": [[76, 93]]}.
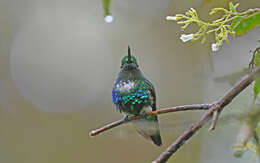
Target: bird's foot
{"points": [[143, 114], [126, 117]]}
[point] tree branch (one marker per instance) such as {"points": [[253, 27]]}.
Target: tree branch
{"points": [[218, 106], [214, 120], [213, 110], [161, 111]]}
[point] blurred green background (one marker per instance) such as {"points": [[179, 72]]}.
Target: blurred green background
{"points": [[58, 60]]}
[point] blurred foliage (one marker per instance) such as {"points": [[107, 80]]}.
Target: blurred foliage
{"points": [[231, 22], [248, 138]]}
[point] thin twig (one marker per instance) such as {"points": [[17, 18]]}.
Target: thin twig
{"points": [[214, 120], [161, 111], [218, 106]]}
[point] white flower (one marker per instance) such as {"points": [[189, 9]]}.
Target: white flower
{"points": [[186, 38], [109, 18], [171, 18], [214, 47]]}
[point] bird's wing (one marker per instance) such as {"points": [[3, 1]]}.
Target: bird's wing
{"points": [[152, 94], [149, 127]]}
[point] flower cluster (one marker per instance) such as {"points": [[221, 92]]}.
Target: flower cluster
{"points": [[221, 27]]}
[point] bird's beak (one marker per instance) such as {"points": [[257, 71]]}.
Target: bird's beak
{"points": [[129, 55]]}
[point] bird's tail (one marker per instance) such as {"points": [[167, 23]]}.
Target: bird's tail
{"points": [[148, 127]]}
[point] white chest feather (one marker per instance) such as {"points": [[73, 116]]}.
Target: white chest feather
{"points": [[125, 86]]}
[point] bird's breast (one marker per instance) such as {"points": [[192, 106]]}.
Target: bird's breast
{"points": [[125, 86]]}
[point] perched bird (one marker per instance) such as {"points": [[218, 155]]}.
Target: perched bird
{"points": [[133, 95]]}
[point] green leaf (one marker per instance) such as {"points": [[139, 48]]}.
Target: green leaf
{"points": [[235, 22], [106, 6], [256, 88], [256, 57], [243, 25], [257, 81]]}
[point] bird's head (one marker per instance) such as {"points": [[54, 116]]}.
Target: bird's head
{"points": [[129, 62]]}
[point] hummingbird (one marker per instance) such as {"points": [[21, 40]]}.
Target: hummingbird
{"points": [[133, 95]]}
